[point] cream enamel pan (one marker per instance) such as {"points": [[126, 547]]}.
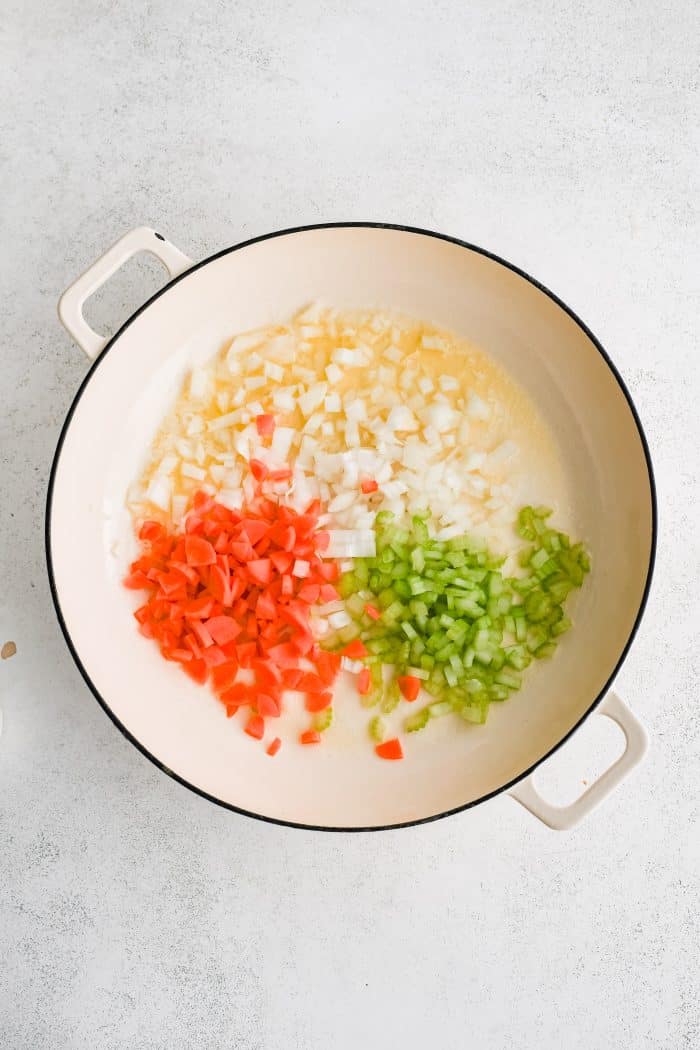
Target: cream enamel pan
{"points": [[134, 375]]}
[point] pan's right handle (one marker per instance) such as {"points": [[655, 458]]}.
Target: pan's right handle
{"points": [[70, 306], [561, 818]]}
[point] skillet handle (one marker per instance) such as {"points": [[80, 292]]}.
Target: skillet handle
{"points": [[561, 818], [70, 305]]}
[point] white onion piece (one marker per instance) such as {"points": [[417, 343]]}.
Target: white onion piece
{"points": [[342, 502], [159, 492], [281, 443], [344, 355], [310, 401], [500, 456], [282, 351], [274, 371], [255, 382], [339, 619], [189, 470], [477, 407], [352, 433], [195, 426], [231, 498], [178, 508], [353, 666], [253, 362], [283, 399], [351, 543], [167, 465], [242, 343], [401, 418], [355, 409], [200, 383], [313, 422]]}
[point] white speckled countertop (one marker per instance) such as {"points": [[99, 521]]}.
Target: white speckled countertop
{"points": [[562, 136]]}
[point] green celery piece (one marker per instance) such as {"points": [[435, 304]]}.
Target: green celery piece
{"points": [[498, 692], [509, 679], [475, 713], [355, 605], [372, 698], [377, 729], [392, 696], [361, 572], [441, 708], [559, 628], [323, 720], [348, 585], [417, 559], [417, 721]]}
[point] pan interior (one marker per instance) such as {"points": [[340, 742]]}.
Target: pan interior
{"points": [[120, 407]]}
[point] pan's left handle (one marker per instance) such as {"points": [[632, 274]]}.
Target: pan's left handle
{"points": [[70, 305]]}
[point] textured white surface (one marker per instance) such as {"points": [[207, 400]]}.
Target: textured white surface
{"points": [[134, 914]]}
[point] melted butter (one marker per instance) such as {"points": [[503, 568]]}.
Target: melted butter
{"points": [[397, 354]]}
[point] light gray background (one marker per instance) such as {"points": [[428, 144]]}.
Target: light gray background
{"points": [[561, 135]]}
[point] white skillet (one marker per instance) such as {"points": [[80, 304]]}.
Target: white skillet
{"points": [[342, 785]]}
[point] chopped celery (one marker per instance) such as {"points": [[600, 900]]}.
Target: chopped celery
{"points": [[417, 721], [323, 720], [392, 696], [474, 713], [450, 614], [442, 707], [377, 729]]}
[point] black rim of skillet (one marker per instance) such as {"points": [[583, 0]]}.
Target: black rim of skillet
{"points": [[350, 225]]}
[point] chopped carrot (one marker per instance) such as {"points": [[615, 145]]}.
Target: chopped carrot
{"points": [[258, 469], [409, 686], [221, 597], [372, 611], [274, 747], [151, 530], [311, 683], [255, 727], [223, 629], [318, 701], [197, 670], [364, 681], [356, 650], [310, 737], [199, 551], [260, 570], [369, 485], [267, 706], [137, 581], [390, 749], [224, 675], [266, 425]]}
